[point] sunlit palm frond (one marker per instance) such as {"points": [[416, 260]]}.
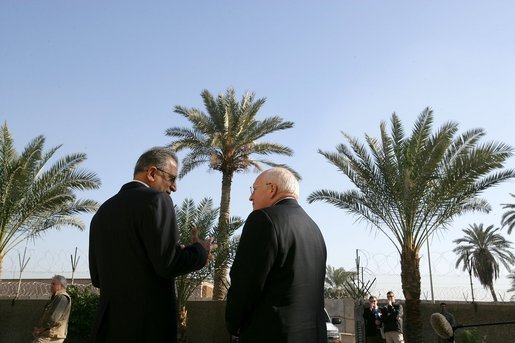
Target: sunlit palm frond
{"points": [[410, 187], [226, 138], [508, 218], [38, 196]]}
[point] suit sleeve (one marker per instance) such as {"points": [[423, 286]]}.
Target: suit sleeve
{"points": [[254, 259], [161, 239], [93, 269]]}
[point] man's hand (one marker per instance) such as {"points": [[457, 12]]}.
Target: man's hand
{"points": [[207, 243]]}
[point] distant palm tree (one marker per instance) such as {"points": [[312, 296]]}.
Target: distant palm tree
{"points": [[36, 196], [508, 218], [225, 139], [336, 281], [410, 187], [482, 249], [511, 276]]}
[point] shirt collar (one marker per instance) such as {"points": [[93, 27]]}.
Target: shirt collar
{"points": [[143, 183]]}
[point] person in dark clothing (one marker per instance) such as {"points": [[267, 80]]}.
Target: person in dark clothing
{"points": [[277, 278], [134, 255], [391, 315], [372, 317]]}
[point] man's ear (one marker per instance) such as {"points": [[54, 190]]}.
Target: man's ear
{"points": [[151, 173], [273, 190]]}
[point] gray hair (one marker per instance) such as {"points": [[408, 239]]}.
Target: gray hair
{"points": [[284, 179], [156, 156], [61, 279]]}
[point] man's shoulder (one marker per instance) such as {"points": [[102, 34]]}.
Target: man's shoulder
{"points": [[62, 295], [134, 189]]}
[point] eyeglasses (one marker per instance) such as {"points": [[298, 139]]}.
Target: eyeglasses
{"points": [[172, 178], [390, 296], [253, 189]]}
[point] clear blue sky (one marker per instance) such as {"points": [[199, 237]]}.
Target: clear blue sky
{"points": [[102, 77]]}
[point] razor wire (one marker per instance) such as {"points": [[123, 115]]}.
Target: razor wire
{"points": [[449, 283]]}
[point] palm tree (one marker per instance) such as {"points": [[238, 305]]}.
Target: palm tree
{"points": [[36, 196], [482, 249], [511, 276], [336, 280], [202, 217], [508, 218], [410, 187], [225, 138]]}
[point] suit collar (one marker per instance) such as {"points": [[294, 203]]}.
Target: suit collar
{"points": [[134, 184], [285, 200]]}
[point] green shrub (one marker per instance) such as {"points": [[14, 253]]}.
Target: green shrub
{"points": [[471, 336], [84, 306]]}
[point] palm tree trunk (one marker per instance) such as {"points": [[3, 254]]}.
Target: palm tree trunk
{"points": [[182, 327], [410, 275], [222, 239], [494, 296]]}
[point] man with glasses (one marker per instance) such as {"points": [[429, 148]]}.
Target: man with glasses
{"points": [[373, 323], [277, 278], [391, 315], [134, 255]]}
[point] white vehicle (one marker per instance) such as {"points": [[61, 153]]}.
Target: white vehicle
{"points": [[333, 334]]}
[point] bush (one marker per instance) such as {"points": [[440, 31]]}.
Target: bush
{"points": [[471, 336], [84, 307]]}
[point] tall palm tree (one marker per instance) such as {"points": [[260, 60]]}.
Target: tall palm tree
{"points": [[36, 196], [482, 249], [508, 218], [225, 138], [410, 187]]}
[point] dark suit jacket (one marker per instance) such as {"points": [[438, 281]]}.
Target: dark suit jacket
{"points": [[392, 317], [134, 255], [370, 322], [277, 278]]}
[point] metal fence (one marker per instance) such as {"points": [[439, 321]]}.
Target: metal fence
{"points": [[30, 289], [448, 283]]}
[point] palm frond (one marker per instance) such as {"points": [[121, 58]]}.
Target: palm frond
{"points": [[38, 196]]}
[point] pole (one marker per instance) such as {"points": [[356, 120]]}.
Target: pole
{"points": [[430, 272]]}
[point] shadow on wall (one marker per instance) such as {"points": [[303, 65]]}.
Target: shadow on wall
{"points": [[206, 319], [16, 322]]}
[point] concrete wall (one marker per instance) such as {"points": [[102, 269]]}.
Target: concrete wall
{"points": [[206, 322], [206, 319], [17, 321], [467, 313]]}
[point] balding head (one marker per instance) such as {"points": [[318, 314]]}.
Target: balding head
{"points": [[273, 185]]}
